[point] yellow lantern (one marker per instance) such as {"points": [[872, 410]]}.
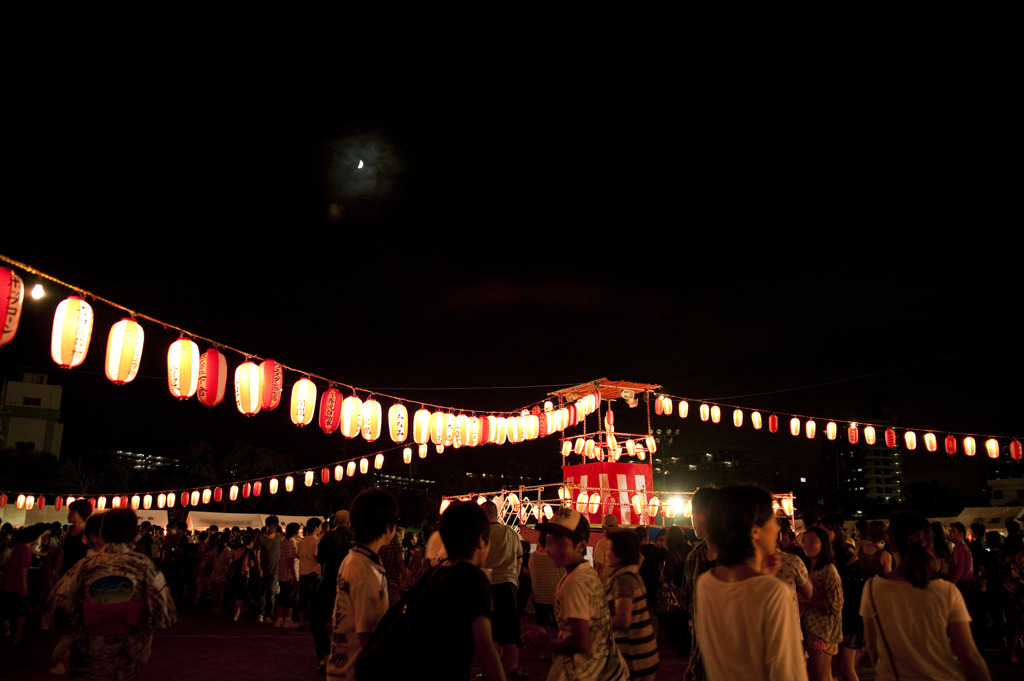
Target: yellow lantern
{"points": [[378, 461], [969, 446], [459, 432], [274, 485], [869, 434], [364, 465], [271, 382], [101, 503], [630, 448], [30, 502], [595, 502], [473, 426], [351, 416], [350, 468], [371, 419], [831, 430], [513, 429], [72, 330], [566, 448], [147, 502], [170, 500], [248, 387], [652, 444], [911, 439], [931, 443], [161, 500], [737, 418], [582, 501], [716, 413], [705, 411], [183, 368], [684, 409], [652, 507], [637, 503], [422, 451], [398, 423], [233, 493], [500, 430], [12, 295], [548, 511], [810, 428], [787, 506], [444, 504], [194, 498], [289, 483], [136, 502], [437, 427], [207, 495], [755, 420], [421, 426], [303, 404], [309, 478], [407, 454], [794, 426], [213, 377], [339, 472], [20, 504], [992, 447], [124, 351], [449, 429]]}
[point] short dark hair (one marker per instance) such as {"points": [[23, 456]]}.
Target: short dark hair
{"points": [[271, 520], [626, 546], [374, 512], [462, 525], [733, 513], [312, 525], [120, 525], [702, 498], [291, 530], [82, 507]]}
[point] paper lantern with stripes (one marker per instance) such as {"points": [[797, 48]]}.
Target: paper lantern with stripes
{"points": [[398, 423], [247, 489], [213, 377], [371, 420], [271, 384], [12, 295], [72, 330], [325, 475], [303, 402], [330, 410], [248, 388], [124, 351], [351, 416], [183, 368]]}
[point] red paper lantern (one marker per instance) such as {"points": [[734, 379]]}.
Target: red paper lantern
{"points": [[12, 294], [124, 351], [58, 502], [257, 487], [271, 381], [325, 475], [371, 419], [72, 330], [248, 388], [303, 404], [398, 423], [184, 499], [3, 500], [330, 410], [213, 377], [773, 424], [890, 438], [950, 445], [852, 433], [1015, 450], [183, 368], [218, 494], [992, 448], [247, 490]]}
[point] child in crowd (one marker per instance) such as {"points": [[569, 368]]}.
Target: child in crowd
{"points": [[584, 647]]}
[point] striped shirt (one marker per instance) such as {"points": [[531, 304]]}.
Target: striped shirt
{"points": [[638, 643]]}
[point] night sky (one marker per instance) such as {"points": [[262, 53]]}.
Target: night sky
{"points": [[815, 223]]}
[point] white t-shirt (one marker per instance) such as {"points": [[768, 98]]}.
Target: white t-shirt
{"points": [[914, 622], [748, 630], [580, 595], [362, 600]]}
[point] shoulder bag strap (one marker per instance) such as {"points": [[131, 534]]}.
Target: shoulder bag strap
{"points": [[881, 632]]}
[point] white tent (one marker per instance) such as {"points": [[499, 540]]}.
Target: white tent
{"points": [[49, 514], [992, 517], [201, 520]]}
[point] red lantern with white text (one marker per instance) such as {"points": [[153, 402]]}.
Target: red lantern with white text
{"points": [[271, 382], [12, 295], [213, 377], [72, 330], [124, 351], [852, 433], [330, 410]]}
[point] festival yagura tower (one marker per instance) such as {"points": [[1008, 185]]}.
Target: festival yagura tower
{"points": [[616, 476]]}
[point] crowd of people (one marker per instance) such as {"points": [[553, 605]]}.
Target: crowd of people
{"points": [[741, 595]]}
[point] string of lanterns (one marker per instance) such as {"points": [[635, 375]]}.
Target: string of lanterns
{"points": [[258, 387]]}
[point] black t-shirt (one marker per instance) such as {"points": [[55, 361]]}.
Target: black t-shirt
{"points": [[455, 597], [74, 550]]}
